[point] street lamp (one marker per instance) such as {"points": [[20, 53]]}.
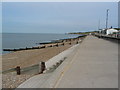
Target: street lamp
{"points": [[107, 18]]}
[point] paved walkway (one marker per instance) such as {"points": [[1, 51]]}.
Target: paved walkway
{"points": [[93, 65]]}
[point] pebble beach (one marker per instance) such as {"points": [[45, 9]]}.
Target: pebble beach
{"points": [[26, 58]]}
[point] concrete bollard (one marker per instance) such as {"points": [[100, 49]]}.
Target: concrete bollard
{"points": [[42, 67], [18, 70]]}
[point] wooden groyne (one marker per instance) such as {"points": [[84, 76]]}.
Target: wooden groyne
{"points": [[56, 43], [62, 40], [23, 70], [20, 49]]}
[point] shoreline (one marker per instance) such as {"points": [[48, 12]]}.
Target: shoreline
{"points": [[41, 45]]}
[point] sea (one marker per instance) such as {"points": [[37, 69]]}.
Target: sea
{"points": [[22, 40]]}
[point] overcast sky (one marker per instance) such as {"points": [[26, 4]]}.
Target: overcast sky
{"points": [[57, 17]]}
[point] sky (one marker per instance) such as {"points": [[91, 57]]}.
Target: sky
{"points": [[119, 14], [57, 17]]}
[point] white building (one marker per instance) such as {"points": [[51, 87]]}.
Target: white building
{"points": [[110, 31]]}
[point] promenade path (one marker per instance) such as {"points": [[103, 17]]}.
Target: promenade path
{"points": [[94, 64]]}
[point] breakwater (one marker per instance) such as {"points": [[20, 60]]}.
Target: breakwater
{"points": [[54, 43], [29, 40]]}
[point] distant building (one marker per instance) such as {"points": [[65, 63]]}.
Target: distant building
{"points": [[108, 31], [102, 31], [111, 31]]}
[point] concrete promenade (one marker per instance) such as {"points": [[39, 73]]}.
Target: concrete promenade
{"points": [[93, 64]]}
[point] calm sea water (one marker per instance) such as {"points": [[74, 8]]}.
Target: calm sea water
{"points": [[20, 40]]}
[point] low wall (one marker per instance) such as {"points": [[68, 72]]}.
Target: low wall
{"points": [[59, 57]]}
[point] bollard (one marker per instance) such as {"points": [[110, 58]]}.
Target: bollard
{"points": [[18, 70], [41, 67]]}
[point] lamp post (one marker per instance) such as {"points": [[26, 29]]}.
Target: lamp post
{"points": [[107, 18]]}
